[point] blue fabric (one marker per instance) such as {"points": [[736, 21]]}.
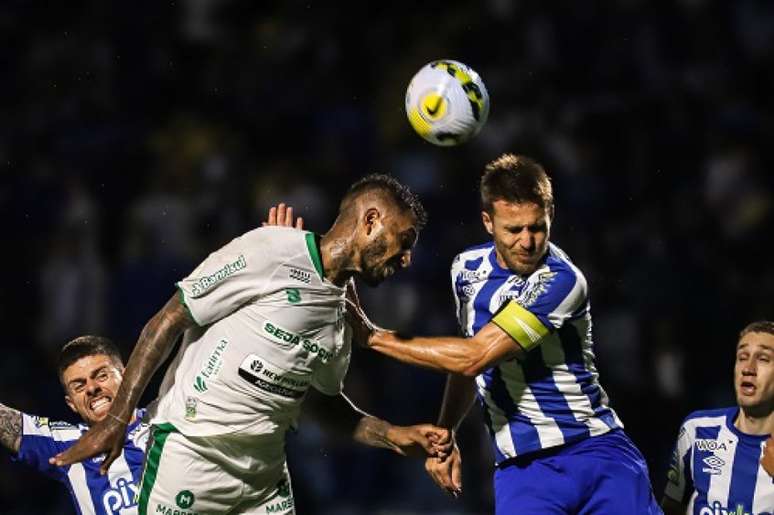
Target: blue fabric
{"points": [[599, 475]]}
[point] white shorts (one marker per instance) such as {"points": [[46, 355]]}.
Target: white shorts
{"points": [[214, 475]]}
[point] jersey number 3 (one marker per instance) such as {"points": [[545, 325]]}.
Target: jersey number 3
{"points": [[294, 296]]}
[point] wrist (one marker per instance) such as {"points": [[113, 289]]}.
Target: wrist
{"points": [[379, 336]]}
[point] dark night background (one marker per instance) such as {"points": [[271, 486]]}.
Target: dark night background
{"points": [[137, 137]]}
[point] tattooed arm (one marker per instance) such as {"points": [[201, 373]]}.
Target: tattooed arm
{"points": [[10, 428], [156, 341]]}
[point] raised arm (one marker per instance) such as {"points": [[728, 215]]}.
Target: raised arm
{"points": [[10, 428], [156, 341]]}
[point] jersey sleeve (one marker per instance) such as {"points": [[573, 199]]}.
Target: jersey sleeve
{"points": [[39, 442], [456, 286], [679, 481], [551, 297], [329, 378], [230, 276]]}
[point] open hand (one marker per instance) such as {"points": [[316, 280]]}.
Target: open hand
{"points": [[421, 440], [768, 456], [283, 215], [107, 436], [447, 473]]}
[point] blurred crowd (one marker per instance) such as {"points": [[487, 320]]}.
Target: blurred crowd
{"points": [[137, 137]]}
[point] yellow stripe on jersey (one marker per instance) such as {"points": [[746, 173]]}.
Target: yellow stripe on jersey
{"points": [[520, 324]]}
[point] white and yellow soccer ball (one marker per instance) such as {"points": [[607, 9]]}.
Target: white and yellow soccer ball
{"points": [[447, 102]]}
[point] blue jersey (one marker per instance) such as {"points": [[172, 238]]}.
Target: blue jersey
{"points": [[716, 469], [552, 395], [93, 494]]}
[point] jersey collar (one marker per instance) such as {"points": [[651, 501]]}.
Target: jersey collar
{"points": [[313, 245]]}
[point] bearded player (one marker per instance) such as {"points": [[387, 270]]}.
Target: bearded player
{"points": [[263, 328]]}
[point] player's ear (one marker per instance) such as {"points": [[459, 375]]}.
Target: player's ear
{"points": [[486, 218], [372, 220], [70, 403]]}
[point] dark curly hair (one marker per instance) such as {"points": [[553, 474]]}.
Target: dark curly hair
{"points": [[386, 184]]}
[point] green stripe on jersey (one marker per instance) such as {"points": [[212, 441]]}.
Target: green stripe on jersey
{"points": [[314, 253], [185, 304], [160, 434]]}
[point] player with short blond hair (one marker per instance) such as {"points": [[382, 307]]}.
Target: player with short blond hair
{"points": [[716, 465]]}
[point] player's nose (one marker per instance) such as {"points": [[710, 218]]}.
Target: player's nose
{"points": [[527, 240], [92, 388]]}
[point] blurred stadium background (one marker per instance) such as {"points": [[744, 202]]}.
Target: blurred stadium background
{"points": [[138, 136]]}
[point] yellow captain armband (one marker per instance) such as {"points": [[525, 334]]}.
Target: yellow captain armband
{"points": [[520, 324]]}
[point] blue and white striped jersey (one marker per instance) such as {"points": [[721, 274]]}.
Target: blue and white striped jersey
{"points": [[552, 396], [715, 467], [93, 494]]}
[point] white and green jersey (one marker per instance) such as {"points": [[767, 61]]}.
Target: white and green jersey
{"points": [[269, 327]]}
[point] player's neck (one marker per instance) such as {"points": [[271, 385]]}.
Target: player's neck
{"points": [[754, 425], [336, 256]]}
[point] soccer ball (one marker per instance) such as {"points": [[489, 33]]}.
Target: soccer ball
{"points": [[447, 102]]}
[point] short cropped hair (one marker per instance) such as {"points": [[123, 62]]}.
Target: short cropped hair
{"points": [[87, 346], [518, 179], [390, 186], [761, 326]]}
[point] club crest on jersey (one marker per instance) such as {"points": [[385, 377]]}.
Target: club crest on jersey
{"points": [[537, 287]]}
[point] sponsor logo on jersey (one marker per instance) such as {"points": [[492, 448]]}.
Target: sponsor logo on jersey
{"points": [[40, 421], [168, 510], [286, 337], [719, 509], [713, 464], [185, 499], [279, 507], [119, 497], [211, 367], [708, 444], [300, 275], [270, 378], [204, 283]]}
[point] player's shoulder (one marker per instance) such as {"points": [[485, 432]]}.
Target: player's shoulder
{"points": [[59, 430], [275, 234], [473, 255], [561, 268], [709, 417]]}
